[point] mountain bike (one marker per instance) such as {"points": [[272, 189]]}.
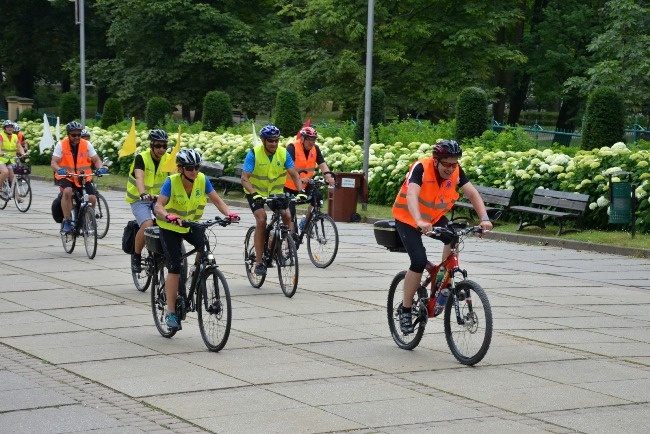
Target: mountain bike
{"points": [[19, 189], [102, 213], [467, 311], [319, 229], [83, 218], [208, 294], [279, 248]]}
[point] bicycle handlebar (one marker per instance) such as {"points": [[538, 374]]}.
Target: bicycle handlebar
{"points": [[455, 230], [223, 222], [85, 175]]}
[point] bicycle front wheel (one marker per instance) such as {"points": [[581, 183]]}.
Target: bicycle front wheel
{"points": [[7, 192], [23, 194], [468, 336], [393, 307], [255, 280], [322, 240], [214, 309], [89, 230], [159, 301], [286, 258], [142, 279], [102, 215]]}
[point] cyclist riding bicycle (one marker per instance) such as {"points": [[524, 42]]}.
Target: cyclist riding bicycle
{"points": [[144, 183], [428, 192], [8, 148], [306, 156], [75, 155], [22, 141], [264, 173], [183, 197]]}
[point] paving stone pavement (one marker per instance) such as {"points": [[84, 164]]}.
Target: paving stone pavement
{"points": [[79, 351]]}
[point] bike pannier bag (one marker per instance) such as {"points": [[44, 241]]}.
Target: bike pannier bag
{"points": [[152, 239], [128, 237], [386, 235], [57, 212]]}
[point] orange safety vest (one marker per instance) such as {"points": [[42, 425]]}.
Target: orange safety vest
{"points": [[302, 162], [435, 199], [82, 165]]}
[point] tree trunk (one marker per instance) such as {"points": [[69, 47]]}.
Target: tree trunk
{"points": [[566, 120]]}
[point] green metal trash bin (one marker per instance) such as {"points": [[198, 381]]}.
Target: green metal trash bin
{"points": [[621, 200]]}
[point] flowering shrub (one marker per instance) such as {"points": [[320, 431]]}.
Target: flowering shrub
{"points": [[486, 161]]}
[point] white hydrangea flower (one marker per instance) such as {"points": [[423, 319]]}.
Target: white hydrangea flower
{"points": [[602, 202]]}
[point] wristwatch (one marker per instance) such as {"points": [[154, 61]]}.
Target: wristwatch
{"points": [[485, 218]]}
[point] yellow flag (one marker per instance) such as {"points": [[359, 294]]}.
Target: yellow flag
{"points": [[170, 164], [128, 147]]}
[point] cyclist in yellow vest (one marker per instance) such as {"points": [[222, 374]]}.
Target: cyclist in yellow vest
{"points": [[145, 181], [8, 148], [306, 156], [428, 192], [183, 197], [264, 173]]}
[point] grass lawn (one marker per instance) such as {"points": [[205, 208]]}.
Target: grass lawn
{"points": [[615, 238]]}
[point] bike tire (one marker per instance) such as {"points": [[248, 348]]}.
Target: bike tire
{"points": [[142, 280], [68, 239], [286, 259], [89, 231], [255, 280], [469, 342], [322, 240], [214, 309], [102, 215], [5, 189], [159, 301], [394, 302], [23, 194]]}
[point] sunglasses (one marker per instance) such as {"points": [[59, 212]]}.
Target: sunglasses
{"points": [[74, 135], [273, 140], [159, 146], [448, 165], [191, 168]]}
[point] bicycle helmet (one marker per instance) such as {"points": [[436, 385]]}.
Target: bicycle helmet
{"points": [[158, 136], [447, 148], [74, 125], [308, 132], [188, 157], [16, 128], [85, 133], [270, 132], [7, 123]]}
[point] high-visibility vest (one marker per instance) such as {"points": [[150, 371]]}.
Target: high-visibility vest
{"points": [[302, 162], [153, 178], [434, 199], [9, 145], [186, 207], [83, 164], [268, 176]]}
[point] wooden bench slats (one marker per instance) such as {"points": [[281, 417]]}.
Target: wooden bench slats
{"points": [[230, 182], [490, 196], [560, 205]]}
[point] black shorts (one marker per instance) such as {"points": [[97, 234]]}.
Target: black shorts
{"points": [[65, 183], [171, 244], [252, 204], [412, 240]]}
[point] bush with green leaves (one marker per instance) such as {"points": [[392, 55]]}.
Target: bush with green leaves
{"points": [[113, 113], [157, 109], [217, 111], [471, 114], [287, 113], [605, 119], [377, 112], [30, 114], [69, 107]]}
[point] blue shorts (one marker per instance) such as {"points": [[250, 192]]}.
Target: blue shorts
{"points": [[142, 211]]}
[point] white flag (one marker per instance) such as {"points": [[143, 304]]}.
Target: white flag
{"points": [[256, 140], [58, 133], [46, 139]]}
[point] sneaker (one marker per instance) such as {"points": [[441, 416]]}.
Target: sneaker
{"points": [[136, 263], [67, 227], [260, 269], [405, 322], [172, 321]]}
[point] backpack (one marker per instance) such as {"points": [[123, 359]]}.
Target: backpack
{"points": [[57, 212], [128, 237]]}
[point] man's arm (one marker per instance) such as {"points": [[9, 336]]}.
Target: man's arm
{"points": [[323, 168], [412, 201], [295, 176]]}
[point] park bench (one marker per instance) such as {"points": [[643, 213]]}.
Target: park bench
{"points": [[496, 200], [548, 204], [229, 182]]}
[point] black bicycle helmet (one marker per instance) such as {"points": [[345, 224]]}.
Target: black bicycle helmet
{"points": [[447, 148], [270, 132], [74, 125], [188, 157], [158, 136]]}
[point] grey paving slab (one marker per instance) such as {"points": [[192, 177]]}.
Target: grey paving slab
{"points": [[626, 418]]}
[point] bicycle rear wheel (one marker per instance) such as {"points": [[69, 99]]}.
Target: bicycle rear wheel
{"points": [[286, 258], [322, 240], [159, 301], [468, 341], [102, 215], [214, 309], [142, 279], [255, 280], [89, 231], [23, 194], [68, 239], [393, 306]]}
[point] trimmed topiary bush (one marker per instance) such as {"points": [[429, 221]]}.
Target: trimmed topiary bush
{"points": [[69, 107], [113, 113], [377, 111], [287, 113], [471, 114], [217, 110], [604, 120], [157, 108], [30, 114]]}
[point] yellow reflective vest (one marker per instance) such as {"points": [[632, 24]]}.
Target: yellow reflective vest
{"points": [[187, 207], [153, 179], [268, 176], [9, 145]]}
